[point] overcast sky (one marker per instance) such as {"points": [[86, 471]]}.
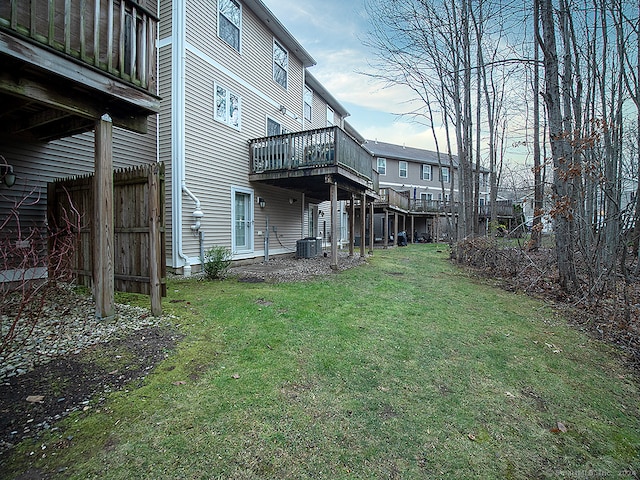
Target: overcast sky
{"points": [[332, 32]]}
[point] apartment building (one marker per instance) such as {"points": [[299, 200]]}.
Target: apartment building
{"points": [[251, 141]]}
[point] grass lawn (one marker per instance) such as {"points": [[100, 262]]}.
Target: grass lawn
{"points": [[403, 368]]}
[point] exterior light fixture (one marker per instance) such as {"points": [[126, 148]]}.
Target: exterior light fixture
{"points": [[283, 109], [292, 200], [6, 175], [261, 202]]}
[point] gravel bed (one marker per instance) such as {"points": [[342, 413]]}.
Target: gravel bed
{"points": [[66, 326]]}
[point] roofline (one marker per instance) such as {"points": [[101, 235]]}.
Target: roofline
{"points": [[324, 93], [280, 31]]}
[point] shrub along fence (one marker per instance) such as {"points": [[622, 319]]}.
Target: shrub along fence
{"points": [[139, 233]]}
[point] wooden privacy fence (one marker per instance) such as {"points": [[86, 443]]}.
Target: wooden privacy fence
{"points": [[138, 204]]}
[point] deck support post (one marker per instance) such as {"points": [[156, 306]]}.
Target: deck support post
{"points": [[385, 229], [103, 260], [371, 226], [413, 229], [334, 225], [352, 224], [395, 228], [363, 223]]}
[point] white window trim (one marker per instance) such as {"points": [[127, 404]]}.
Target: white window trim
{"points": [[239, 50], [227, 119], [304, 104], [427, 168], [250, 240], [406, 169], [442, 170], [330, 123], [378, 165], [286, 68]]}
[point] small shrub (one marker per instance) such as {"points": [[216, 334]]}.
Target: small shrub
{"points": [[216, 262]]}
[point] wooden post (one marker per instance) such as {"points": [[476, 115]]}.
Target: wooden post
{"points": [[352, 224], [413, 229], [334, 226], [395, 228], [371, 227], [154, 241], [363, 223], [385, 229], [103, 281]]}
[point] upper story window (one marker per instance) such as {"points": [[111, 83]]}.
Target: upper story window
{"points": [[280, 64], [227, 107], [402, 169], [382, 166], [330, 115], [444, 174], [426, 172], [229, 22], [308, 100]]}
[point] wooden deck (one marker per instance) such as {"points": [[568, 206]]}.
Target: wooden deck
{"points": [[310, 161], [63, 64]]}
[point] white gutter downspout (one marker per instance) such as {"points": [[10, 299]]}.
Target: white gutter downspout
{"points": [[180, 259]]}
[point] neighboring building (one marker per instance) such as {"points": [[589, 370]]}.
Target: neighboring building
{"points": [[418, 192], [63, 77], [252, 144]]}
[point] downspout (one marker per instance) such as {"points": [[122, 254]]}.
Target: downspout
{"points": [[180, 259]]}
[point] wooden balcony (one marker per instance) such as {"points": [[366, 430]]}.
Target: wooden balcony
{"points": [[433, 206], [390, 198], [65, 63], [310, 161]]}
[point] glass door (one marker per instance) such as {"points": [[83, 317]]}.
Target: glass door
{"points": [[243, 221]]}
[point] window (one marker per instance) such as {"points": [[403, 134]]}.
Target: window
{"points": [[329, 116], [308, 100], [273, 128], [444, 174], [229, 17], [426, 196], [280, 64], [382, 166], [426, 172], [402, 169], [227, 107]]}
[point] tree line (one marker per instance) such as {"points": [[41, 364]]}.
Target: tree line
{"points": [[560, 78]]}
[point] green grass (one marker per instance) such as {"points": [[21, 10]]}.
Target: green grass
{"points": [[402, 368]]}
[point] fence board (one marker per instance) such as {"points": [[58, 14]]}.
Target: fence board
{"points": [[140, 265]]}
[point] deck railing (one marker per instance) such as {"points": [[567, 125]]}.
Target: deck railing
{"points": [[391, 198], [433, 206], [115, 36], [312, 149]]}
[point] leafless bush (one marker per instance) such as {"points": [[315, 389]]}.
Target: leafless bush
{"points": [[32, 259]]}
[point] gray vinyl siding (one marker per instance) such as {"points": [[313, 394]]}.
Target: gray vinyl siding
{"points": [[164, 28], [216, 154], [393, 180], [36, 164], [164, 137]]}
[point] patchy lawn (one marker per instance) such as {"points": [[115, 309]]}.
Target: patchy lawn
{"points": [[401, 368]]}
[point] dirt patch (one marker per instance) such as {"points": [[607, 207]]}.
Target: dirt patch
{"points": [[33, 402]]}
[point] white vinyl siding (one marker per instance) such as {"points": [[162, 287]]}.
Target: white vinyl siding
{"points": [[230, 22]]}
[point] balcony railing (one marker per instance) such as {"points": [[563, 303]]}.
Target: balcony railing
{"points": [[115, 36], [433, 206], [312, 149], [391, 198]]}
